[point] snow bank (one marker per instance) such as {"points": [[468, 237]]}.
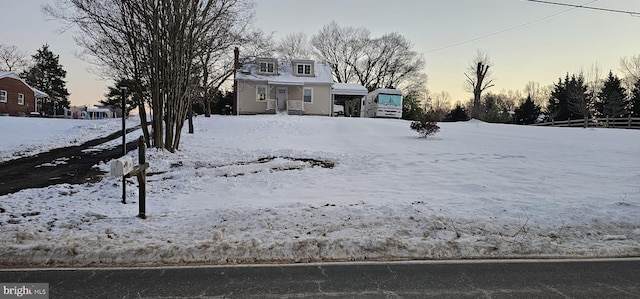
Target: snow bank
{"points": [[299, 189]]}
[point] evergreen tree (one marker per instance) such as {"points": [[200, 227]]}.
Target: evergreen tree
{"points": [[635, 100], [411, 108], [613, 101], [113, 98], [494, 110], [528, 112], [557, 108], [569, 99], [48, 76], [457, 114], [579, 101], [220, 101]]}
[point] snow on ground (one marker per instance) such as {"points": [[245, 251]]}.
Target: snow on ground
{"points": [[23, 136], [279, 188]]}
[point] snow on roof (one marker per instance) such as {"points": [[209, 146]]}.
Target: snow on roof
{"points": [[348, 89], [285, 76], [37, 93], [13, 75], [387, 91], [98, 109]]}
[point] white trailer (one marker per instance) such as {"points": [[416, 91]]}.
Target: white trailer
{"points": [[382, 102]]}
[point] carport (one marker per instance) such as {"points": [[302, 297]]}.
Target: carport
{"points": [[349, 96]]}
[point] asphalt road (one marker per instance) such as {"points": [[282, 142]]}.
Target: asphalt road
{"points": [[614, 278]]}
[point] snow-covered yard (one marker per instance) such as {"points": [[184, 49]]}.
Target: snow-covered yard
{"points": [[297, 189]]}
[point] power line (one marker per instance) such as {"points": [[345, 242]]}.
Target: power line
{"points": [[632, 13], [505, 30]]}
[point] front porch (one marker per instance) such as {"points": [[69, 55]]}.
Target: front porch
{"points": [[285, 98], [291, 107]]}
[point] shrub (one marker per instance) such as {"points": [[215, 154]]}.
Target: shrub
{"points": [[425, 127]]}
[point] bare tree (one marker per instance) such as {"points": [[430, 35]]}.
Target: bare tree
{"points": [[439, 105], [478, 80], [387, 62], [12, 59], [594, 80], [630, 66], [157, 43], [539, 94], [341, 47], [384, 62], [294, 46]]}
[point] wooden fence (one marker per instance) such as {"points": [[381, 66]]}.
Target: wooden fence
{"points": [[620, 123]]}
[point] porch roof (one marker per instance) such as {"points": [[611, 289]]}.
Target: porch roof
{"points": [[290, 83]]}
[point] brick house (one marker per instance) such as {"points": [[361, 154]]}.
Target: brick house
{"points": [[17, 98]]}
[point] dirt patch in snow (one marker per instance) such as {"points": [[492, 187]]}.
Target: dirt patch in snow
{"points": [[72, 165]]}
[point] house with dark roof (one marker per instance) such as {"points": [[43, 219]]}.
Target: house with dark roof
{"points": [[17, 98]]}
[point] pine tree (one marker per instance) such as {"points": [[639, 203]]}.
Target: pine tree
{"points": [[411, 108], [457, 114], [528, 112], [557, 108], [47, 75], [635, 100], [578, 99], [613, 101], [113, 98]]}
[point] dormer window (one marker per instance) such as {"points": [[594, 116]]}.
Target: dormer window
{"points": [[267, 67], [304, 69]]}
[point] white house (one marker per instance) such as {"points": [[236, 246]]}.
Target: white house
{"points": [[269, 85]]}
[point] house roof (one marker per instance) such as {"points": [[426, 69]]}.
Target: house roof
{"points": [[13, 75], [285, 74], [350, 89], [37, 93]]}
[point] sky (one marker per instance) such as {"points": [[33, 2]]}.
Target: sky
{"points": [[526, 41]]}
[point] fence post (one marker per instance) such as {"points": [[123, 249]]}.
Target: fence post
{"points": [[553, 122]]}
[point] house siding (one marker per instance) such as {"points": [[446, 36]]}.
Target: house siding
{"points": [[248, 103], [321, 104], [13, 88], [321, 100]]}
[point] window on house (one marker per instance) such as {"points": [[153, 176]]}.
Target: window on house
{"points": [[3, 96], [304, 69], [261, 93], [266, 67], [307, 95], [20, 99]]}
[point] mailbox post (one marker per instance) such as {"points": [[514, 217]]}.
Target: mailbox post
{"points": [[124, 139], [124, 167]]}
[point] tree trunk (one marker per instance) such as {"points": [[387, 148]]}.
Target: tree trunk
{"points": [[190, 115]]}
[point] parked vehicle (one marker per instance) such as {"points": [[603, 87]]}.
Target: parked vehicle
{"points": [[383, 102]]}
